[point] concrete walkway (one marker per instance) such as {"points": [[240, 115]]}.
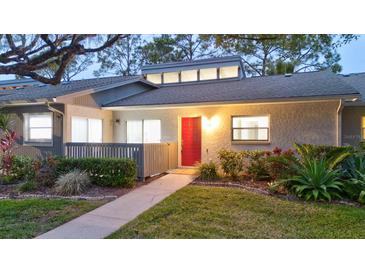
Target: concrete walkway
{"points": [[103, 221]]}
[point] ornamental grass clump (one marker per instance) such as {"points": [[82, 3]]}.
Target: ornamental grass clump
{"points": [[72, 183]]}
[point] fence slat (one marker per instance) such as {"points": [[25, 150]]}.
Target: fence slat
{"points": [[150, 158]]}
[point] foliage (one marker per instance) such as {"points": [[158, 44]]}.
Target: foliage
{"points": [[46, 171], [7, 143], [23, 168], [181, 47], [6, 122], [102, 171], [316, 181], [123, 58], [78, 65], [29, 54], [72, 183], [331, 154], [208, 171], [28, 186], [255, 164], [231, 162], [281, 164], [354, 177], [264, 54]]}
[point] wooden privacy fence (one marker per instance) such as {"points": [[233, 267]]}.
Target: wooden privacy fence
{"points": [[151, 159]]}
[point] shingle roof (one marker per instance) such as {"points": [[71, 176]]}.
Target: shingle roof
{"points": [[309, 84], [52, 91], [356, 80]]}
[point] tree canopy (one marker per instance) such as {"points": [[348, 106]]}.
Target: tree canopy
{"points": [[264, 54], [29, 55]]}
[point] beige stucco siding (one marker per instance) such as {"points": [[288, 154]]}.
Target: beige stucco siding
{"points": [[304, 122], [81, 111]]}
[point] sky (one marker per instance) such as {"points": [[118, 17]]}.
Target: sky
{"points": [[352, 60], [353, 56]]}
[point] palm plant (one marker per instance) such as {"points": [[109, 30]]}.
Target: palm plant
{"points": [[316, 181], [5, 121]]}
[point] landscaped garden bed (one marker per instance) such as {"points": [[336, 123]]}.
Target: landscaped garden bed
{"points": [[310, 172]]}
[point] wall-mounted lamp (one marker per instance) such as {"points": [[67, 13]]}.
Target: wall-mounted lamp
{"points": [[117, 121], [212, 123]]}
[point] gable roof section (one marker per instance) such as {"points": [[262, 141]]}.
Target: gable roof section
{"points": [[356, 80], [47, 92], [279, 87]]}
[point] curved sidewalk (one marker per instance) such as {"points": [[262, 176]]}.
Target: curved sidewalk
{"points": [[103, 221]]}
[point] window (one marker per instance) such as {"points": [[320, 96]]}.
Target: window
{"points": [[154, 78], [170, 77], [84, 130], [144, 131], [189, 75], [228, 72], [208, 74], [250, 128], [363, 128], [38, 127]]}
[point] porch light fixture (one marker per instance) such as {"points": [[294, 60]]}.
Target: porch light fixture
{"points": [[212, 123]]}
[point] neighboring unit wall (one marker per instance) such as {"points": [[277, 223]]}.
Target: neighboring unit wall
{"points": [[37, 150], [351, 124], [88, 112], [305, 122]]}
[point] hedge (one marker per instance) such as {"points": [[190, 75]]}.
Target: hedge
{"points": [[102, 171]]}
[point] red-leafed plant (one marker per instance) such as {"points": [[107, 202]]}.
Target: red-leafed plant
{"points": [[6, 145]]}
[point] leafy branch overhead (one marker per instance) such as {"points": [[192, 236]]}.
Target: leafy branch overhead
{"points": [[29, 55]]}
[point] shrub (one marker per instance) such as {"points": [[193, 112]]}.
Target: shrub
{"points": [[316, 181], [28, 186], [72, 183], [208, 171], [231, 162], [46, 171], [281, 165], [102, 171], [354, 177], [331, 154], [255, 164], [23, 168]]}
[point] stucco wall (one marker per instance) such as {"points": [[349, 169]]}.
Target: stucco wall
{"points": [[351, 124], [307, 122], [81, 111]]}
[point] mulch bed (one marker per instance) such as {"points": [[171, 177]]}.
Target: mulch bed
{"points": [[10, 191]]}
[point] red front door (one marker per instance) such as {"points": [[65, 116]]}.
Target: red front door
{"points": [[190, 141]]}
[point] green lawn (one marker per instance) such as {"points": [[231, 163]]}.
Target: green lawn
{"points": [[31, 217], [209, 212]]}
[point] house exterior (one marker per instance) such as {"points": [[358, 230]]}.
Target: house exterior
{"points": [[200, 106]]}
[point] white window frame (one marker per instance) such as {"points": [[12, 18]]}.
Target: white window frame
{"points": [[87, 129], [250, 140], [27, 129], [143, 120]]}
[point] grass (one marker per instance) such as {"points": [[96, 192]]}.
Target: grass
{"points": [[211, 212], [31, 217]]}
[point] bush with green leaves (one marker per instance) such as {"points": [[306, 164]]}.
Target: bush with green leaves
{"points": [[46, 171], [231, 162], [28, 186], [23, 168], [354, 177], [102, 171], [73, 183], [316, 180], [333, 155], [208, 171], [255, 164]]}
